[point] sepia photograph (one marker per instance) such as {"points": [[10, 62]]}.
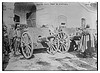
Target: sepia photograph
{"points": [[49, 36]]}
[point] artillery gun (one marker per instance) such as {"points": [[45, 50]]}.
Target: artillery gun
{"points": [[34, 38]]}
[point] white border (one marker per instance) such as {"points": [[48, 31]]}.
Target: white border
{"points": [[47, 1]]}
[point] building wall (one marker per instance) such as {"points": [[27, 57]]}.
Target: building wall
{"points": [[31, 21], [8, 13], [22, 15], [48, 14], [22, 9]]}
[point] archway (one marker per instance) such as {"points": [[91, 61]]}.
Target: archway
{"points": [[27, 13]]}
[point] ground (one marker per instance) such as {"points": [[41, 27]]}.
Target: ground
{"points": [[41, 60]]}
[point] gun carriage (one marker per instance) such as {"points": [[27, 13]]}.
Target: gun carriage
{"points": [[57, 41]]}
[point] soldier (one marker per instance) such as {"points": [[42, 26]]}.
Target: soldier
{"points": [[87, 40], [17, 39]]}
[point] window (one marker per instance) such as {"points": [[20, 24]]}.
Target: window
{"points": [[62, 23], [16, 18], [28, 14]]}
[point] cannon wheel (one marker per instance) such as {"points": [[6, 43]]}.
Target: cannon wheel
{"points": [[52, 47], [26, 45], [64, 42]]}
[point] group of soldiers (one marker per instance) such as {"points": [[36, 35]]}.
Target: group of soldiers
{"points": [[11, 39]]}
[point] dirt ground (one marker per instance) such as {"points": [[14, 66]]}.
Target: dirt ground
{"points": [[42, 61]]}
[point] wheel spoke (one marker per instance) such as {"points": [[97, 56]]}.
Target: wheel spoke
{"points": [[63, 42], [59, 49], [51, 49], [28, 52], [64, 47], [62, 34]]}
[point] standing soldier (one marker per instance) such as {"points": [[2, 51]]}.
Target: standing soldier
{"points": [[11, 34], [17, 39], [83, 38], [87, 40]]}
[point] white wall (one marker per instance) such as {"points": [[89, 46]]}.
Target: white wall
{"points": [[8, 13], [48, 14]]}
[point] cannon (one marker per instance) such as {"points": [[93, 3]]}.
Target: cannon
{"points": [[35, 37], [62, 40]]}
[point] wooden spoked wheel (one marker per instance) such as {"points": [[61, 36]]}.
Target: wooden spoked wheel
{"points": [[63, 42], [52, 47], [26, 45]]}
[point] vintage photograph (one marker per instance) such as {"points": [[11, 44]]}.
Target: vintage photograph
{"points": [[49, 36]]}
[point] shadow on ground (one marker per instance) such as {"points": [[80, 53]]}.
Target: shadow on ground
{"points": [[40, 50], [36, 51]]}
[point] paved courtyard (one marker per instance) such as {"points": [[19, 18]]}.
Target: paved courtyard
{"points": [[44, 61]]}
